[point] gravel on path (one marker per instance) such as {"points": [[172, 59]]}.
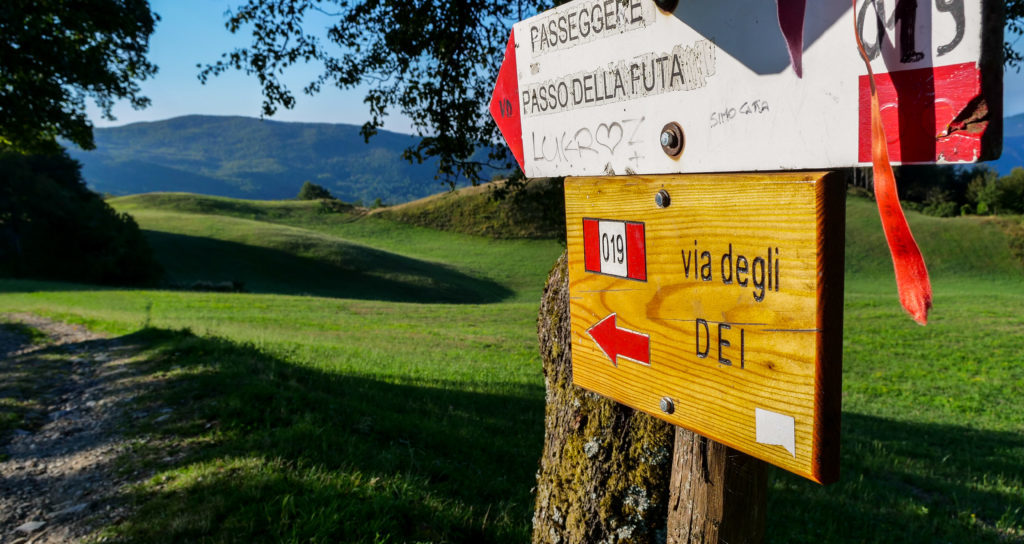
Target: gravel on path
{"points": [[58, 478]]}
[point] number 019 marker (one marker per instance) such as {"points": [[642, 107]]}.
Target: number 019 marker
{"points": [[615, 248]]}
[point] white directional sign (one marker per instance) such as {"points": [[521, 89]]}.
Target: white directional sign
{"points": [[587, 88]]}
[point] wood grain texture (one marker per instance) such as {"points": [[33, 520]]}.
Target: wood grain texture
{"points": [[717, 494], [780, 347]]}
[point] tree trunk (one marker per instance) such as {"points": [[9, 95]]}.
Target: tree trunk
{"points": [[717, 493], [604, 473]]}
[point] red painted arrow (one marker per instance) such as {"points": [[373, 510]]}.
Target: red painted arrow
{"points": [[617, 342]]}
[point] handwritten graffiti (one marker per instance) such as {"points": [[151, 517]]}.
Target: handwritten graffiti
{"points": [[603, 140], [751, 107], [506, 108]]}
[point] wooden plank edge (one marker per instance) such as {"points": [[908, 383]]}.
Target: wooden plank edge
{"points": [[831, 194], [991, 66]]}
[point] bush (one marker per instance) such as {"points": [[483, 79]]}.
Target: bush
{"points": [[53, 227], [312, 191], [941, 209], [1010, 192], [939, 203], [1004, 195], [981, 191], [333, 206]]}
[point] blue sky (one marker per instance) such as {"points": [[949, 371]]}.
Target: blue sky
{"points": [[192, 32]]}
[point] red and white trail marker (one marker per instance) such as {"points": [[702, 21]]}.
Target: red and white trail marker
{"points": [[615, 248], [587, 87]]}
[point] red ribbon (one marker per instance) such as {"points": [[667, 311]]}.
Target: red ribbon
{"points": [[912, 281], [791, 21]]}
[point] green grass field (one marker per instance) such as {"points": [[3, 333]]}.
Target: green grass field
{"points": [[380, 382]]}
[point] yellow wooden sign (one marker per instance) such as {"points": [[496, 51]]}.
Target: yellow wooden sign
{"points": [[715, 303]]}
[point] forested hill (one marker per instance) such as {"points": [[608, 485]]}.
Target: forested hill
{"points": [[244, 157]]}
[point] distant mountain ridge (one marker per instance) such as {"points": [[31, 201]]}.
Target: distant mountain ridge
{"points": [[244, 157], [1013, 145]]}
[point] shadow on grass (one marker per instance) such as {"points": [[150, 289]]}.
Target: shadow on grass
{"points": [[908, 482], [257, 449], [343, 270]]}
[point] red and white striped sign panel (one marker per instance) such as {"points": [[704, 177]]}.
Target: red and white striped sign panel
{"points": [[586, 88], [615, 248]]}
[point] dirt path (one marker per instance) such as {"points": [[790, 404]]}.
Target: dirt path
{"points": [[58, 475]]}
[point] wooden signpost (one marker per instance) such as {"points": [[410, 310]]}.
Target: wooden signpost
{"points": [[715, 303], [709, 299]]}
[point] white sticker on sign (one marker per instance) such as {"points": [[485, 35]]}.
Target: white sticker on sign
{"points": [[775, 429]]}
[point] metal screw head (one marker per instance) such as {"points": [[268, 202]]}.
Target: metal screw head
{"points": [[662, 199], [667, 405], [667, 5], [672, 140]]}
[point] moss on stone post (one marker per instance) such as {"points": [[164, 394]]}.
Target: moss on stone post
{"points": [[604, 474]]}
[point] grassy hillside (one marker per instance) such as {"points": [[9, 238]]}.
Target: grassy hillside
{"points": [[510, 266], [371, 415], [262, 210], [536, 211], [969, 246], [279, 259]]}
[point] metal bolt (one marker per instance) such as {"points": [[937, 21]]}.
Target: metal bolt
{"points": [[672, 140], [667, 405], [667, 5], [662, 199]]}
